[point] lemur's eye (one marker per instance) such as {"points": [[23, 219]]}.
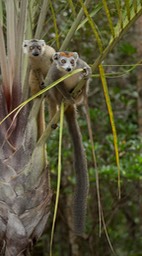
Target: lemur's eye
{"points": [[72, 62], [39, 47], [63, 61], [31, 48]]}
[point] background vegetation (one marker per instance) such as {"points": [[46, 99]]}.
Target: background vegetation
{"points": [[96, 38]]}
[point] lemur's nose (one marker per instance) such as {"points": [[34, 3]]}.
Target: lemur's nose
{"points": [[68, 69], [35, 53]]}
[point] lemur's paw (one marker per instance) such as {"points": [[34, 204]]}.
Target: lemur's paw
{"points": [[86, 71], [42, 85]]}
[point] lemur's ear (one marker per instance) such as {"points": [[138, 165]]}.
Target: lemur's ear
{"points": [[75, 54], [42, 42], [56, 56], [25, 44]]}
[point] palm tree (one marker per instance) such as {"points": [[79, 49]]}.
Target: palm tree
{"points": [[24, 175], [25, 191]]}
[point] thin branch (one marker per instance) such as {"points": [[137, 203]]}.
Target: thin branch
{"points": [[93, 27]]}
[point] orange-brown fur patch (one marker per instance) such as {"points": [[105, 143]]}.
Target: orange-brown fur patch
{"points": [[66, 54]]}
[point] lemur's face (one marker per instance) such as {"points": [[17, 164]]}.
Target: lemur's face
{"points": [[34, 48], [65, 61]]}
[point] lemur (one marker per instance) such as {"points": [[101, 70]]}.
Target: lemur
{"points": [[40, 59], [63, 63]]}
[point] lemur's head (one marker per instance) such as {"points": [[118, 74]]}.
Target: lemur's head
{"points": [[34, 47], [65, 61]]}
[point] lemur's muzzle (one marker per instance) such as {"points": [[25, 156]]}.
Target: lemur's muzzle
{"points": [[68, 69], [35, 53]]}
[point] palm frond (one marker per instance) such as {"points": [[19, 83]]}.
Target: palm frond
{"points": [[98, 7], [20, 26], [1, 13], [93, 26], [72, 7], [127, 4], [108, 102], [55, 25], [119, 29], [119, 11], [10, 11], [109, 18]]}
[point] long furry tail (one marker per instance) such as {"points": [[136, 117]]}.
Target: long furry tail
{"points": [[80, 165]]}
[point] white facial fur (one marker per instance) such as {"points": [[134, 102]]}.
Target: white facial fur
{"points": [[65, 62], [28, 43]]}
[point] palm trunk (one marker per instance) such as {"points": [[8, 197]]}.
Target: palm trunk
{"points": [[24, 183]]}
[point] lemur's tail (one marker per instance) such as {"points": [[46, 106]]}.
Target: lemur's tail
{"points": [[80, 166]]}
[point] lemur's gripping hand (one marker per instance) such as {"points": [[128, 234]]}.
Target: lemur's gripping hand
{"points": [[42, 85], [86, 72]]}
